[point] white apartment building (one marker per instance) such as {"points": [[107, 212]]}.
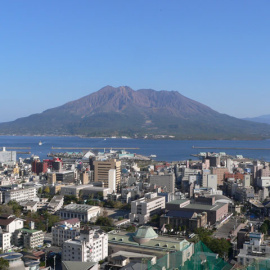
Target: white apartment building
{"points": [[144, 208], [4, 240], [81, 211], [255, 249], [92, 246], [28, 238], [263, 182], [62, 233], [19, 195], [55, 204]]}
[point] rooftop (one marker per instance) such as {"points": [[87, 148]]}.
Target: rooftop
{"points": [[78, 265], [30, 231], [80, 207]]}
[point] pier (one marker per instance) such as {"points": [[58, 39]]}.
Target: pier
{"points": [[89, 148], [229, 148]]}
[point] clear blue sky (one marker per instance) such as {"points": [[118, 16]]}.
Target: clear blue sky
{"points": [[216, 52]]}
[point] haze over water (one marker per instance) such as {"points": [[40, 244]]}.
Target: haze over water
{"points": [[165, 150]]}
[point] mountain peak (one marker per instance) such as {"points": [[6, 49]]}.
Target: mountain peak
{"points": [[144, 112]]}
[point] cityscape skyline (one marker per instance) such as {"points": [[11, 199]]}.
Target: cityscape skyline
{"points": [[212, 52]]}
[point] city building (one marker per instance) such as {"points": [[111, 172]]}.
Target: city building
{"points": [[81, 211], [167, 182], [216, 211], [92, 246], [190, 220], [147, 242], [102, 173], [255, 249], [18, 195], [62, 233], [28, 238], [142, 209], [4, 240], [7, 156], [55, 204], [127, 260], [85, 191], [39, 167]]}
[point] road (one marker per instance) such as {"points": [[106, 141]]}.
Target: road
{"points": [[116, 213], [225, 230]]}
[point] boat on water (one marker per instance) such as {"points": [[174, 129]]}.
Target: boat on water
{"points": [[40, 143], [153, 156]]}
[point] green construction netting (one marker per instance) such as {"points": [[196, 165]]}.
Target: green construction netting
{"points": [[202, 258]]}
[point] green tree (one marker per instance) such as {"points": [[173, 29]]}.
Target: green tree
{"points": [[47, 190], [4, 264], [131, 228], [16, 208], [264, 228], [104, 221]]}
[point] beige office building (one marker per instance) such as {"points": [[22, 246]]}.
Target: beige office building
{"points": [[102, 169]]}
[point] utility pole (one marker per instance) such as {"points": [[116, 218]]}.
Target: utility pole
{"points": [[45, 258], [47, 224], [54, 262]]}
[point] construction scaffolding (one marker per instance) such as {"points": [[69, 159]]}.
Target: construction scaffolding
{"points": [[202, 259]]}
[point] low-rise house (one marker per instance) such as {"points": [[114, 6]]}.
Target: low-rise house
{"points": [[31, 206], [10, 223]]}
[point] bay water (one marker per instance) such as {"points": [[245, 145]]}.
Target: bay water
{"points": [[165, 150]]}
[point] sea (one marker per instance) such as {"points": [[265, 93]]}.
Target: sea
{"points": [[165, 150]]}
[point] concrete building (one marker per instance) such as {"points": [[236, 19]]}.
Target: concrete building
{"points": [[84, 177], [263, 182], [190, 220], [256, 249], [167, 182], [85, 191], [146, 241], [73, 222], [18, 195], [212, 181], [219, 172], [4, 240], [142, 209], [127, 260], [55, 204], [81, 211], [102, 173], [62, 233], [92, 246], [215, 211], [7, 156], [28, 238]]}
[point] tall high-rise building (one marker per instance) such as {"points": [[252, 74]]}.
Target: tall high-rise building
{"points": [[103, 174]]}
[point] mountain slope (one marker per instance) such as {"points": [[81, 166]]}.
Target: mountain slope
{"points": [[260, 119], [123, 111]]}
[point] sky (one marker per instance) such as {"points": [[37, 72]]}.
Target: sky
{"points": [[215, 52]]}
